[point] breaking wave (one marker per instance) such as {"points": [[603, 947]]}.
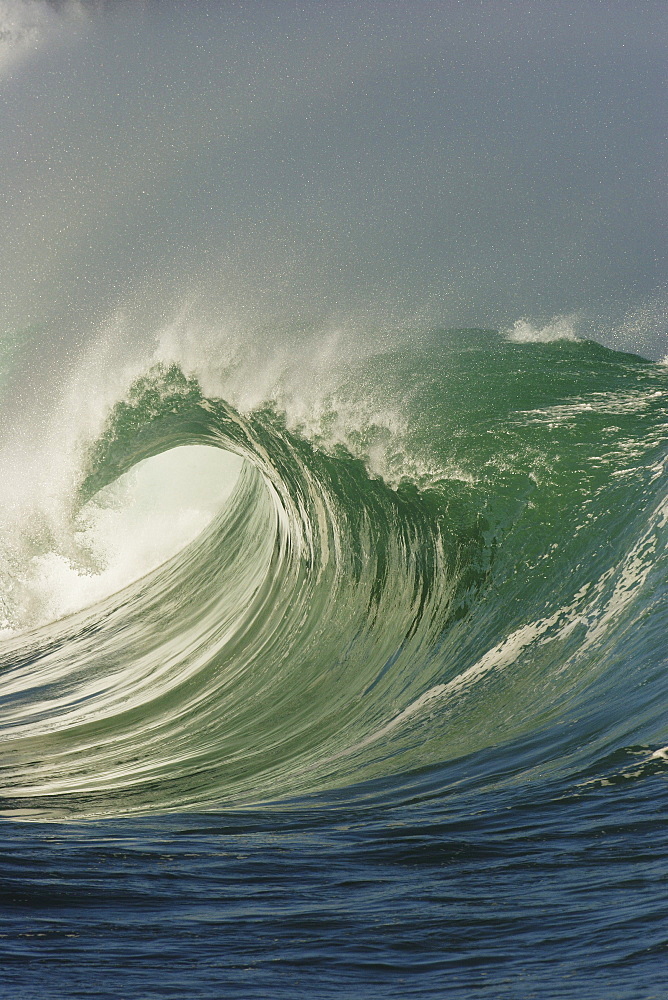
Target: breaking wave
{"points": [[333, 628]]}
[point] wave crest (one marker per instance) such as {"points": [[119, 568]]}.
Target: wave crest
{"points": [[523, 331]]}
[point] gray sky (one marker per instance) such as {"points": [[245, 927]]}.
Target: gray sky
{"points": [[473, 162]]}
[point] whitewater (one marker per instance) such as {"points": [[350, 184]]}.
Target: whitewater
{"points": [[333, 597]]}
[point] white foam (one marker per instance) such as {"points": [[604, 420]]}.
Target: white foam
{"points": [[523, 331]]}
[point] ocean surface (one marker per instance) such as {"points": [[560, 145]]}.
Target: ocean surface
{"points": [[363, 736], [333, 657]]}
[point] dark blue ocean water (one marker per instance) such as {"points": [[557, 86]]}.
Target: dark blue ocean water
{"points": [[529, 892]]}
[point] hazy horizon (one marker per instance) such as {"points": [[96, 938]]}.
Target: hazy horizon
{"points": [[466, 164]]}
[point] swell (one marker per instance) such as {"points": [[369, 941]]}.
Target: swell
{"points": [[327, 630]]}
